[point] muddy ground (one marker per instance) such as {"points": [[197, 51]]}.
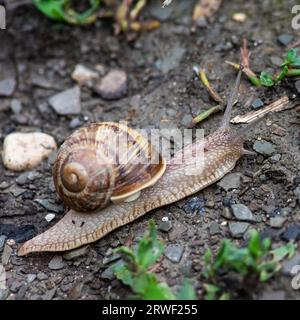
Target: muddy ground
{"points": [[41, 55]]}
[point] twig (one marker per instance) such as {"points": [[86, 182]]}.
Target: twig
{"points": [[205, 114], [135, 12], [276, 106]]}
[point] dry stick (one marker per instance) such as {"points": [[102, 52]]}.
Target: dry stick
{"points": [[278, 105], [202, 116], [135, 12]]}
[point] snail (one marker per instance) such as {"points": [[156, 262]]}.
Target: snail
{"points": [[164, 185]]}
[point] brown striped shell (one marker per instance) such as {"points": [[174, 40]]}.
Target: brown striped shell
{"points": [[102, 163]]}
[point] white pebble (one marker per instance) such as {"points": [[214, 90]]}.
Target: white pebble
{"points": [[82, 74], [239, 17], [49, 217], [24, 151]]}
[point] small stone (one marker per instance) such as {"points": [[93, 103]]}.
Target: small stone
{"points": [[297, 86], [242, 213], [42, 276], [76, 253], [22, 178], [239, 17], [24, 151], [109, 272], [172, 60], [2, 241], [273, 295], [49, 217], [7, 251], [276, 61], [287, 265], [16, 192], [75, 292], [214, 229], [56, 263], [230, 181], [48, 205], [8, 81], [222, 47], [174, 253], [286, 211], [257, 103], [285, 39], [113, 85], [82, 74], [186, 120], [194, 205], [111, 258], [264, 147], [277, 222], [66, 102], [177, 230], [292, 233], [15, 286], [16, 106], [275, 158], [4, 185], [237, 229], [226, 213], [31, 277], [75, 123], [165, 226]]}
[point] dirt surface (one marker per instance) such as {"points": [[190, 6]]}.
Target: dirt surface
{"points": [[162, 92]]}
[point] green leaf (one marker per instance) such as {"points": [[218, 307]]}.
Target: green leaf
{"points": [[123, 274], [296, 62], [186, 292], [291, 55], [266, 79], [53, 9], [211, 291], [284, 251]]}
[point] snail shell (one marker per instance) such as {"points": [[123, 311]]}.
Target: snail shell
{"points": [[105, 162]]}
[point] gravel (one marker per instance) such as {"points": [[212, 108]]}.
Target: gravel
{"points": [[174, 253], [237, 229], [56, 263], [214, 229], [242, 213], [285, 39], [230, 181], [165, 226], [257, 103], [277, 222], [67, 102], [264, 147], [292, 233]]}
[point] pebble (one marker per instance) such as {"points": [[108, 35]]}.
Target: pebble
{"points": [[42, 276], [226, 213], [221, 47], [15, 286], [16, 192], [287, 265], [2, 241], [165, 226], [264, 147], [49, 217], [7, 79], [109, 272], [230, 181], [242, 212], [237, 229], [75, 123], [75, 292], [76, 253], [7, 251], [286, 211], [273, 295], [22, 178], [285, 39], [239, 17], [16, 106], [66, 102], [4, 185], [257, 103], [277, 61], [21, 234], [177, 230], [113, 85], [24, 151], [31, 277], [194, 205], [56, 263], [172, 60], [292, 233], [214, 229], [277, 222], [174, 253], [82, 74], [297, 86], [275, 158], [48, 205]]}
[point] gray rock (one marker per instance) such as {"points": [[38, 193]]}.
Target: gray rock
{"points": [[31, 277], [75, 123], [221, 47], [264, 147], [297, 86], [56, 263], [286, 211], [273, 295], [76, 253], [226, 213], [7, 86], [15, 286], [16, 106], [42, 276], [2, 241], [291, 233], [7, 251], [66, 102], [113, 85], [277, 61], [174, 253], [22, 178], [109, 272], [186, 120], [257, 103], [172, 60], [4, 185], [275, 157], [165, 226], [48, 205], [16, 192], [177, 230], [285, 39], [111, 258], [230, 181], [49, 294], [237, 229], [161, 14], [214, 229], [288, 265], [277, 222], [242, 212]]}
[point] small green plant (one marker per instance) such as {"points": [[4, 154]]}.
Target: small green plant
{"points": [[257, 259], [134, 271], [62, 10]]}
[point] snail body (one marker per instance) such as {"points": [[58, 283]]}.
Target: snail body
{"points": [[221, 150]]}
